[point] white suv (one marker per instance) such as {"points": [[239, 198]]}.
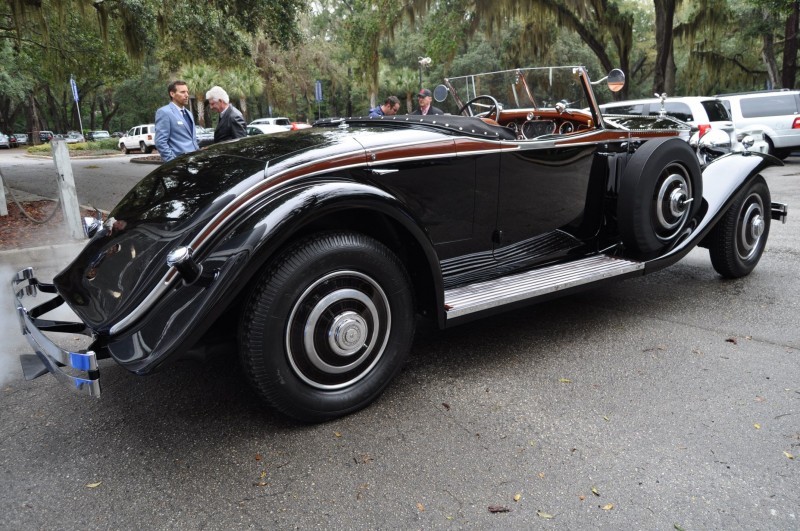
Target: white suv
{"points": [[776, 112], [141, 137], [704, 113], [283, 122]]}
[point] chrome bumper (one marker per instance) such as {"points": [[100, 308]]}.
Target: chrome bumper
{"points": [[779, 211], [49, 356]]}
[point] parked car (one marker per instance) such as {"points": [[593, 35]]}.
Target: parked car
{"points": [[74, 137], [282, 122], [204, 135], [705, 114], [12, 141], [264, 129], [313, 253], [45, 136], [141, 137], [22, 138], [776, 112], [5, 142], [97, 135]]}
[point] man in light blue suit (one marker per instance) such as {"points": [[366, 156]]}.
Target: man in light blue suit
{"points": [[174, 124]]}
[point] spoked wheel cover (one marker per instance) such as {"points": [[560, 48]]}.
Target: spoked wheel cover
{"points": [[337, 330], [673, 198], [750, 227]]}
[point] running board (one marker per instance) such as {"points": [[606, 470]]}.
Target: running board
{"points": [[481, 296]]}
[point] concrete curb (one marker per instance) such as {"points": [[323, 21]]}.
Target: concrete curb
{"points": [[39, 254]]}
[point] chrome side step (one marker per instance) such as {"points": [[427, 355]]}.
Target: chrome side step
{"points": [[481, 296]]}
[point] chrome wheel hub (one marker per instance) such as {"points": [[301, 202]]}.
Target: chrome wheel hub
{"points": [[348, 334], [672, 199], [337, 330], [751, 227]]}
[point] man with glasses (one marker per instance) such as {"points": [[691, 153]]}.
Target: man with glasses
{"points": [[389, 108], [424, 100]]}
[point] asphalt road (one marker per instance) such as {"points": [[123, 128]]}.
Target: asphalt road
{"points": [[100, 182], [670, 401]]}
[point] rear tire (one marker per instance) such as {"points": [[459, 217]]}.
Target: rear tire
{"points": [[327, 327], [738, 240]]}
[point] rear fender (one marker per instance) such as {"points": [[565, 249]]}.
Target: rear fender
{"points": [[179, 318]]}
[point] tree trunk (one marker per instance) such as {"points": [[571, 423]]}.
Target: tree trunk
{"points": [[790, 48], [665, 14], [669, 74], [768, 53]]}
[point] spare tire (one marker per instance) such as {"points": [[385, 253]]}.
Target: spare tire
{"points": [[661, 191]]}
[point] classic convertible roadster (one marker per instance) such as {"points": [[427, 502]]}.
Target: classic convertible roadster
{"points": [[316, 251]]}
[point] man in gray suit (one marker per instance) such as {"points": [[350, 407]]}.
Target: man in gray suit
{"points": [[174, 124], [231, 123]]}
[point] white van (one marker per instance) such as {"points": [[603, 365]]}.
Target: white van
{"points": [[141, 137], [776, 112]]}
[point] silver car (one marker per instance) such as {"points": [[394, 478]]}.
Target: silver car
{"points": [[4, 141]]}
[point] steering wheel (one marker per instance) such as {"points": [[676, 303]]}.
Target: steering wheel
{"points": [[493, 108]]}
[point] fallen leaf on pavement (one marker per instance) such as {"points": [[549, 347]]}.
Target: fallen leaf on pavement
{"points": [[788, 455], [565, 380], [732, 340], [517, 497], [544, 515], [608, 506], [594, 491], [498, 509], [421, 508], [95, 485]]}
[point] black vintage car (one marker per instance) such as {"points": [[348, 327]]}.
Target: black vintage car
{"points": [[316, 251]]}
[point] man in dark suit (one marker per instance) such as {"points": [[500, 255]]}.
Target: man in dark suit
{"points": [[231, 123], [424, 100], [174, 124]]}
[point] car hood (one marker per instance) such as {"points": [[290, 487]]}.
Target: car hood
{"points": [[126, 259]]}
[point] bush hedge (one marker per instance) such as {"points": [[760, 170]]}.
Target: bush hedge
{"points": [[105, 144]]}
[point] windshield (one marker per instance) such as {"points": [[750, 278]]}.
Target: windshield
{"points": [[522, 88]]}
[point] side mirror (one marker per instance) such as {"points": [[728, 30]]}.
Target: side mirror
{"points": [[440, 93], [615, 80]]}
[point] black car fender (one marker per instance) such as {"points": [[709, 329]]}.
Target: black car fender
{"points": [[341, 203], [240, 251]]}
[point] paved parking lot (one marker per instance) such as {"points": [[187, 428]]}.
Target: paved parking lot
{"points": [[670, 401]]}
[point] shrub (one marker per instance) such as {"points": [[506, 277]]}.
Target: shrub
{"points": [[105, 143], [41, 149]]}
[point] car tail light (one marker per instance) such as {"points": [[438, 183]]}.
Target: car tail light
{"points": [[796, 124], [704, 128]]}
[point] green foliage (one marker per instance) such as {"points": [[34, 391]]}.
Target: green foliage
{"points": [[109, 144]]}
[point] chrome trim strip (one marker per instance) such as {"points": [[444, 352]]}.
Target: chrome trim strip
{"points": [[481, 296], [51, 355]]}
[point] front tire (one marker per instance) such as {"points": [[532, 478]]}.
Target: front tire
{"points": [[328, 326], [660, 193], [124, 149], [738, 240]]}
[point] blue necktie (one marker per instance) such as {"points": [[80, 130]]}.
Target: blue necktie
{"points": [[187, 119]]}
